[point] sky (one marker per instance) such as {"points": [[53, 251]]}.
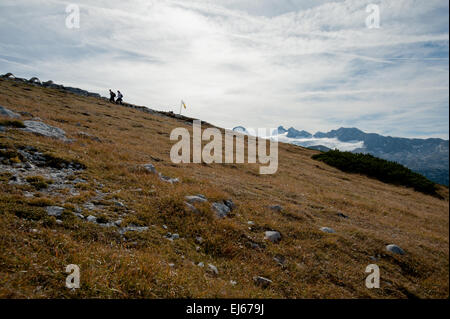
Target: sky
{"points": [[313, 64]]}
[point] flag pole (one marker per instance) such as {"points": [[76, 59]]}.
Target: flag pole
{"points": [[181, 104]]}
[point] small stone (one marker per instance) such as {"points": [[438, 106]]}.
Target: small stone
{"points": [[229, 203], [213, 269], [200, 264], [221, 209], [273, 236], [199, 239], [119, 204], [175, 236], [8, 113], [276, 208], [151, 168], [89, 206], [233, 283], [58, 221], [28, 194], [196, 199], [29, 165], [279, 259], [164, 226], [250, 222], [342, 215], [171, 265], [54, 210], [91, 218], [262, 281], [327, 230], [118, 222], [395, 249]]}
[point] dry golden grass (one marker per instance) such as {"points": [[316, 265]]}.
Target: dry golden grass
{"points": [[34, 250]]}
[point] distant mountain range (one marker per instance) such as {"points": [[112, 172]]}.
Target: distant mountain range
{"points": [[429, 157]]}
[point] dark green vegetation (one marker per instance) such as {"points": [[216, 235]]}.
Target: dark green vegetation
{"points": [[371, 166], [12, 123]]}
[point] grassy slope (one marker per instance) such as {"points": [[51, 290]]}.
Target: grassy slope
{"points": [[318, 265]]}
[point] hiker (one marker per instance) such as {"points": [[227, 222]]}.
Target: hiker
{"points": [[112, 95], [119, 97]]}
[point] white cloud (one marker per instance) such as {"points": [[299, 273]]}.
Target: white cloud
{"points": [[308, 64]]}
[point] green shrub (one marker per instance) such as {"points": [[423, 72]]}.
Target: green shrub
{"points": [[12, 123], [383, 170]]}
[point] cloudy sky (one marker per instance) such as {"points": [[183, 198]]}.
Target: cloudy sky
{"points": [[310, 64]]}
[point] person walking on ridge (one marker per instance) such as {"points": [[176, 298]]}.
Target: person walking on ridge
{"points": [[112, 95], [119, 97]]}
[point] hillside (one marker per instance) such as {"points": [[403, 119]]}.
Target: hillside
{"points": [[133, 235]]}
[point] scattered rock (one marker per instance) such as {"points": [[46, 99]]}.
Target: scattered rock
{"points": [[196, 199], [118, 222], [395, 249], [119, 204], [29, 166], [276, 208], [221, 209], [251, 222], [43, 129], [327, 230], [151, 168], [6, 112], [213, 269], [233, 282], [200, 264], [198, 239], [172, 237], [54, 210], [89, 206], [342, 215], [28, 194], [132, 228], [58, 221], [280, 260], [229, 203], [91, 218], [273, 236], [262, 281]]}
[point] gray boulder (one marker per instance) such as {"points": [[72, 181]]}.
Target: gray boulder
{"points": [[8, 113], [151, 168], [262, 281], [395, 249], [196, 199], [132, 228], [213, 269], [43, 129], [220, 209], [276, 208], [327, 230], [54, 210], [273, 236], [91, 218]]}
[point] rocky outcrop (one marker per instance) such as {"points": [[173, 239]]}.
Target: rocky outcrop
{"points": [[49, 84], [43, 129], [395, 249], [8, 113]]}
